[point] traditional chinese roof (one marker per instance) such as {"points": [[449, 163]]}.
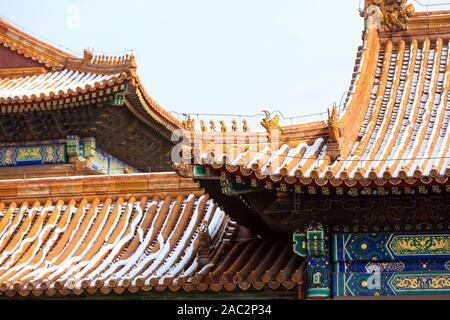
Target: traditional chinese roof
{"points": [[128, 234], [253, 264], [393, 128], [57, 84], [37, 79]]}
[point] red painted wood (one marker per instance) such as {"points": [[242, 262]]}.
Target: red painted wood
{"points": [[10, 59]]}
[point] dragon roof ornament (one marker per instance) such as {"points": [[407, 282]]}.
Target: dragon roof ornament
{"points": [[392, 13], [269, 123]]}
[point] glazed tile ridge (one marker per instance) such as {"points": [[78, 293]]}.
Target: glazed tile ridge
{"points": [[65, 79], [394, 126], [28, 46]]}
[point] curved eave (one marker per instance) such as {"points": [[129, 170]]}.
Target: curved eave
{"points": [[149, 111], [394, 130], [274, 181], [59, 90], [57, 93], [118, 70]]}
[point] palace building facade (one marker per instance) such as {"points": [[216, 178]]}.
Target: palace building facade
{"points": [[365, 194], [356, 206], [80, 214]]}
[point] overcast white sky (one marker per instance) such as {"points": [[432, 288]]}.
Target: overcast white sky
{"points": [[210, 56]]}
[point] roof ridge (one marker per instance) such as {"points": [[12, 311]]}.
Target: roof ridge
{"points": [[103, 64], [115, 186], [31, 47], [57, 59]]}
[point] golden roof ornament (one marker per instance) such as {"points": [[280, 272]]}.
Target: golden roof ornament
{"points": [[234, 125], [132, 60], [333, 124], [223, 127], [212, 126], [333, 145], [245, 126], [394, 13], [87, 57], [203, 126], [269, 123], [191, 124], [188, 124]]}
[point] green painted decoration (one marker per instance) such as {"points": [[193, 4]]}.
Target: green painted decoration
{"points": [[73, 146], [300, 244], [317, 251]]}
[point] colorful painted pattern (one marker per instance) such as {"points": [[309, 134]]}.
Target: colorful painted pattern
{"points": [[60, 152], [391, 264], [390, 247], [420, 245], [411, 283], [319, 277], [390, 284], [15, 155], [318, 262], [107, 164], [397, 266]]}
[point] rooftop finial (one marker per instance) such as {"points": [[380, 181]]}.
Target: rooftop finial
{"points": [[212, 125], [223, 127], [333, 123], [133, 62], [234, 126], [245, 126], [333, 146], [269, 123], [394, 12], [203, 126], [87, 57], [190, 124]]}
